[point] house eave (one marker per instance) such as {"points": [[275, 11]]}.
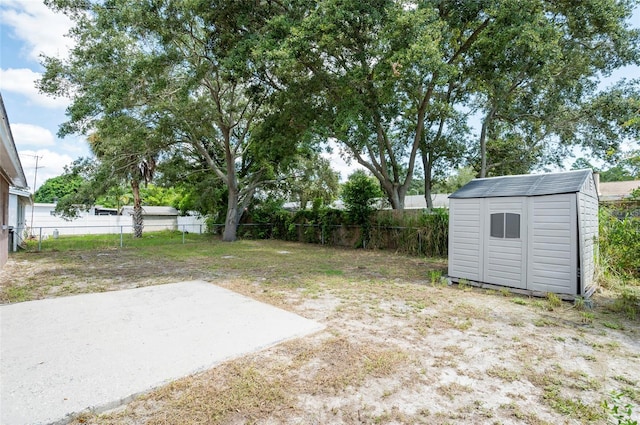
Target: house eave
{"points": [[10, 166]]}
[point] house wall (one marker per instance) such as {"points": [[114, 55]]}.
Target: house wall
{"points": [[13, 211], [4, 220], [17, 210], [552, 260], [465, 237], [17, 218]]}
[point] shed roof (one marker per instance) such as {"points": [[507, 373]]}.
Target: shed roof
{"points": [[524, 185]]}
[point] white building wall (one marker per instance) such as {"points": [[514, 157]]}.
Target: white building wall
{"points": [[553, 244], [465, 239], [157, 223], [13, 211], [17, 219], [192, 223], [86, 224]]}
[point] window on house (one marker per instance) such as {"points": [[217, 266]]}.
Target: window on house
{"points": [[505, 225]]}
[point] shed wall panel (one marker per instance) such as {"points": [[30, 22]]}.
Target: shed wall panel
{"points": [[552, 244], [505, 258], [465, 250], [589, 189], [588, 234]]}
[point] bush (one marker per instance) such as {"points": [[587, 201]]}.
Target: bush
{"points": [[359, 194], [413, 232], [619, 243]]}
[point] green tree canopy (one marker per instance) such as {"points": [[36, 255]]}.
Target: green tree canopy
{"points": [[58, 187], [187, 78], [312, 180], [625, 168], [394, 80], [360, 194], [237, 87]]}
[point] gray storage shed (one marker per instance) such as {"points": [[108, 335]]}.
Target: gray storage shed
{"points": [[531, 232]]}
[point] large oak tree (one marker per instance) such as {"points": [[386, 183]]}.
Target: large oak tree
{"points": [[189, 72]]}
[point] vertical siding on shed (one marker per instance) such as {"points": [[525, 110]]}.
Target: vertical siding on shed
{"points": [[588, 233], [465, 238], [552, 244], [589, 188], [505, 259]]}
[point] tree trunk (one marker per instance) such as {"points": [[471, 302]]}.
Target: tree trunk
{"points": [[138, 220], [483, 141], [233, 216], [427, 164], [395, 198]]}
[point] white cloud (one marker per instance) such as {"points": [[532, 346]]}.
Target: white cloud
{"points": [[75, 145], [50, 164], [23, 82], [336, 158], [42, 30], [31, 135]]}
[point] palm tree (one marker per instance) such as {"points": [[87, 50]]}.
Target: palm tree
{"points": [[127, 156]]}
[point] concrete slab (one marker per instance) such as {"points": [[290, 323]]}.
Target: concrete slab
{"points": [[65, 355]]}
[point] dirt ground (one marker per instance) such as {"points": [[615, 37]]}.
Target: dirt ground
{"points": [[397, 349]]}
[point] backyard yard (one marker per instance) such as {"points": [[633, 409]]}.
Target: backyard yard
{"points": [[400, 345]]}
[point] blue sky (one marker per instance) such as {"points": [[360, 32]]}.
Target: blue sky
{"points": [[27, 30]]}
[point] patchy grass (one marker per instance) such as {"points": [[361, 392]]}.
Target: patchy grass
{"points": [[453, 389], [346, 364], [571, 407], [503, 373], [155, 261], [400, 346], [553, 301]]}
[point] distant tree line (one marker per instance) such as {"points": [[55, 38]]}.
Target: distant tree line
{"points": [[230, 102]]}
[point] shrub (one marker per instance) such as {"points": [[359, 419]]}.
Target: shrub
{"points": [[619, 243], [359, 194], [413, 232]]}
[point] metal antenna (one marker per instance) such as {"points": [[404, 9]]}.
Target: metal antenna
{"points": [[35, 176]]}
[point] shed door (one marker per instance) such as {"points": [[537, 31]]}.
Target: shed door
{"points": [[505, 242]]}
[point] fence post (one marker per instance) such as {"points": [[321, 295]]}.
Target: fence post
{"points": [[40, 240], [183, 235], [419, 243], [200, 230], [121, 236]]}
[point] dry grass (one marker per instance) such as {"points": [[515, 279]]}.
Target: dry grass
{"points": [[396, 348]]}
